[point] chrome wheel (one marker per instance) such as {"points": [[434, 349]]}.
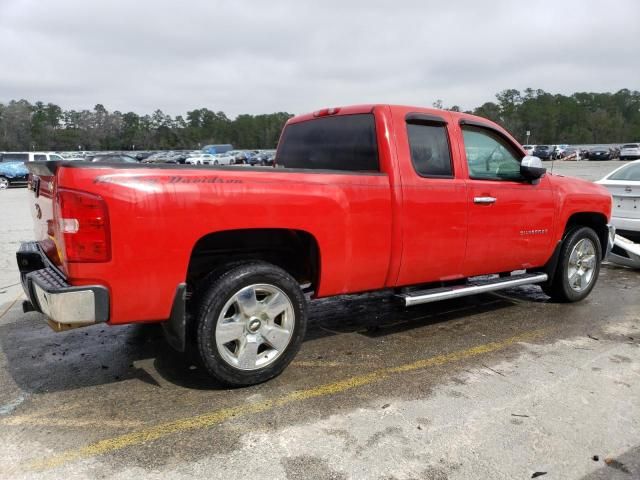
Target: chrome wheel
{"points": [[255, 327], [4, 183], [582, 265]]}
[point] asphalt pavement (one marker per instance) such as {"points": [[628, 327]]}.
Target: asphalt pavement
{"points": [[505, 385]]}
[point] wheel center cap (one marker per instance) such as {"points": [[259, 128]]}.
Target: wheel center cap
{"points": [[254, 325]]}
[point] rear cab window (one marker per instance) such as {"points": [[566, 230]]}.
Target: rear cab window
{"points": [[429, 147], [342, 143]]}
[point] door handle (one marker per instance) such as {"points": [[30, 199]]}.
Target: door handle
{"points": [[484, 200]]}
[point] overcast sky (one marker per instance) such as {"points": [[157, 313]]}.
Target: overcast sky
{"points": [[297, 56]]}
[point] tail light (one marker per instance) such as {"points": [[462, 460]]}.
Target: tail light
{"points": [[82, 226]]}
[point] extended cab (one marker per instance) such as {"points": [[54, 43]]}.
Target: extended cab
{"points": [[413, 200]]}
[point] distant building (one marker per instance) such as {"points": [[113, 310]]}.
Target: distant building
{"points": [[213, 149]]}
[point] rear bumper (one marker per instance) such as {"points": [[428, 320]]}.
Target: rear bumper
{"points": [[49, 292], [629, 224]]}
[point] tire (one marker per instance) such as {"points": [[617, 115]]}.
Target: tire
{"points": [[215, 162], [578, 266], [4, 183], [239, 341]]}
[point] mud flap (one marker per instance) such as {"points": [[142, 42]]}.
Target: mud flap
{"points": [[175, 328]]}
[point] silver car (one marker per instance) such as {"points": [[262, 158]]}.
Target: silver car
{"points": [[630, 151], [624, 185]]}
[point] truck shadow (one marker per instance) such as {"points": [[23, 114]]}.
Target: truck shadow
{"points": [[39, 360]]}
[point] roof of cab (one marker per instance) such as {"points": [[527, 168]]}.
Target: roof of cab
{"points": [[458, 117]]}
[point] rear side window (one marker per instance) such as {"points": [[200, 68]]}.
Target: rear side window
{"points": [[39, 158], [629, 172], [430, 150], [346, 142], [15, 157]]}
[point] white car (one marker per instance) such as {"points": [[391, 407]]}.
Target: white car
{"points": [[529, 149], [200, 159], [630, 151], [30, 157], [624, 185], [227, 158]]}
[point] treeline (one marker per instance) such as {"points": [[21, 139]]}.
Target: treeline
{"points": [[40, 126], [577, 119], [551, 118]]}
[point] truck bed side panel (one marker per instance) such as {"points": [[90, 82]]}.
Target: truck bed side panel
{"points": [[158, 215]]}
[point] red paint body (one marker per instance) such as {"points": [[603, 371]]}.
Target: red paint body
{"points": [[373, 231]]}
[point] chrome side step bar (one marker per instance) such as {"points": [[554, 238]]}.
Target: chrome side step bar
{"points": [[471, 288]]}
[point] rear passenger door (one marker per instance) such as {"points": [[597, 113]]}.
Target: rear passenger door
{"points": [[433, 213]]}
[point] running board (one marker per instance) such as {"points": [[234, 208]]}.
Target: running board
{"points": [[471, 288]]}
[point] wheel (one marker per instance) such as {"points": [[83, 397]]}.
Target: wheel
{"points": [[251, 323], [578, 266], [215, 162], [4, 183]]}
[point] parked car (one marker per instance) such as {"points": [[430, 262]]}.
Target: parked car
{"points": [[529, 149], [572, 153], [263, 158], [353, 208], [624, 185], [160, 157], [559, 151], [112, 158], [29, 157], [200, 159], [224, 159], [630, 151], [543, 152], [12, 173], [600, 153]]}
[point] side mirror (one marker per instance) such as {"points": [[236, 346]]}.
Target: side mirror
{"points": [[531, 168]]}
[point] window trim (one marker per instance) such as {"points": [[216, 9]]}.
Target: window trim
{"points": [[495, 131], [424, 119]]}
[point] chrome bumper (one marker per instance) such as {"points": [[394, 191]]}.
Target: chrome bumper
{"points": [[49, 293]]}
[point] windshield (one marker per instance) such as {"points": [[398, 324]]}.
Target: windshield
{"points": [[631, 145], [628, 172]]}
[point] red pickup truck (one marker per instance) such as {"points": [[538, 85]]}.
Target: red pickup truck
{"points": [[413, 200]]}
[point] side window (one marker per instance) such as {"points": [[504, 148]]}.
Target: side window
{"points": [[344, 142], [489, 156], [56, 157], [39, 158], [430, 152]]}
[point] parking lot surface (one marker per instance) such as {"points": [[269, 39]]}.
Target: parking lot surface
{"points": [[504, 385]]}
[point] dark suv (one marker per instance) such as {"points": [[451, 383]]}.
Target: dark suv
{"points": [[543, 152]]}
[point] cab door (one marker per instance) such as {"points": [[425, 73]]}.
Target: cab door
{"points": [[510, 219], [433, 214]]}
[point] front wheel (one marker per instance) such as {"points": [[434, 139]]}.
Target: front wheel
{"points": [[251, 323], [578, 266], [4, 183]]}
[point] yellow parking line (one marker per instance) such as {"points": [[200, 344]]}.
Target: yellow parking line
{"points": [[216, 417]]}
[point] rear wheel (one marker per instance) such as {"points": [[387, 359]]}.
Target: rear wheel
{"points": [[4, 183], [578, 266], [251, 323]]}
